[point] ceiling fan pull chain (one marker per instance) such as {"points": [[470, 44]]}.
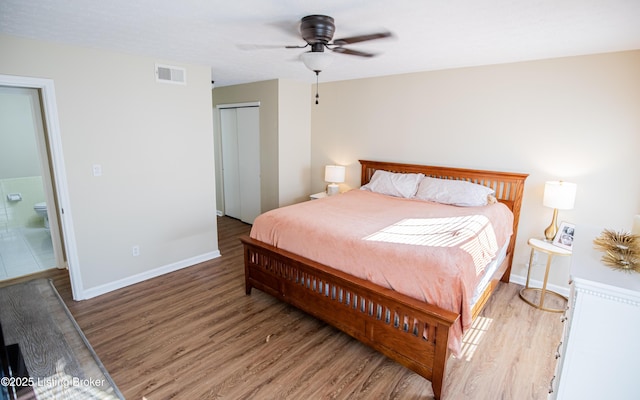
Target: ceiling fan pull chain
{"points": [[317, 95]]}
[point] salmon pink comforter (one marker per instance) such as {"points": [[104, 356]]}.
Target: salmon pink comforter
{"points": [[429, 251]]}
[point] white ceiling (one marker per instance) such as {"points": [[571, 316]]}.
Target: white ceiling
{"points": [[234, 37]]}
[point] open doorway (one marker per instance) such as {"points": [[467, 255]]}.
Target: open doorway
{"points": [[26, 244], [53, 218]]}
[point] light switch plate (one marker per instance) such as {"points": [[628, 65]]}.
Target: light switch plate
{"points": [[97, 170]]}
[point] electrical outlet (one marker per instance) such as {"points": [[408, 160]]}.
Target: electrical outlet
{"points": [[135, 251]]}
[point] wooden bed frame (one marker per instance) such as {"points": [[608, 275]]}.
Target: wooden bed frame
{"points": [[411, 332]]}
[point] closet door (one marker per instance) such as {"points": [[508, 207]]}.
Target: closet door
{"points": [[241, 162], [230, 163], [248, 120]]}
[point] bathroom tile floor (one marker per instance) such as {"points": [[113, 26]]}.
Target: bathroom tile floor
{"points": [[24, 251]]}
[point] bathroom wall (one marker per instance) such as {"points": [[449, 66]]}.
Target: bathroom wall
{"points": [[14, 214], [19, 162], [18, 148]]}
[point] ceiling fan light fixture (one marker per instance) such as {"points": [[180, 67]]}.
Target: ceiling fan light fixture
{"points": [[316, 60]]}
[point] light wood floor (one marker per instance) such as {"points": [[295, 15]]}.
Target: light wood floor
{"points": [[194, 334]]}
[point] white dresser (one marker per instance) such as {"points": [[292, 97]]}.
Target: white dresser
{"points": [[599, 357]]}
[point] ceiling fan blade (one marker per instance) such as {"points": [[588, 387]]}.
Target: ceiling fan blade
{"points": [[288, 27], [296, 47], [250, 46], [343, 50], [361, 38]]}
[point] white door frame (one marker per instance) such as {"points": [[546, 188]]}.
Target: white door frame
{"points": [[52, 130]]}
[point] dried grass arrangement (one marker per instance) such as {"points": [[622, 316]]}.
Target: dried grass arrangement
{"points": [[621, 250]]}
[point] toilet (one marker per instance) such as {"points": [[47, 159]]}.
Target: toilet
{"points": [[41, 210]]}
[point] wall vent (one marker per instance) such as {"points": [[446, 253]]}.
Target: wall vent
{"points": [[169, 74]]}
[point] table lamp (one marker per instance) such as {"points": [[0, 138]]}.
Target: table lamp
{"points": [[333, 174], [558, 195]]}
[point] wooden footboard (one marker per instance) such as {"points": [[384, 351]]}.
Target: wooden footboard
{"points": [[413, 333]]}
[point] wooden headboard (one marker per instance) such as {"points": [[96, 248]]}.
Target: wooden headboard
{"points": [[508, 186]]}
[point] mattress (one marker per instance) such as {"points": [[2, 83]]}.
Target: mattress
{"points": [[432, 252]]}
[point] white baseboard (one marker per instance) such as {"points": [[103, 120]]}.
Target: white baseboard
{"points": [[131, 280], [219, 213], [522, 280]]}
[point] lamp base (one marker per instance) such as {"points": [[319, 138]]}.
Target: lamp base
{"points": [[552, 229], [332, 189]]}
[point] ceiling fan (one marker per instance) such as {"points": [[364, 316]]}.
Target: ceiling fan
{"points": [[317, 31]]}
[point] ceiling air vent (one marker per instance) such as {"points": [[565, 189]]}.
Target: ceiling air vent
{"points": [[169, 74]]}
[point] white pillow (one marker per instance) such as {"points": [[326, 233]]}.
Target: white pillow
{"points": [[457, 193], [394, 184]]}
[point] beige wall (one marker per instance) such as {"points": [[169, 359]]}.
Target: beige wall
{"points": [[576, 119], [294, 142], [285, 135], [155, 145], [266, 93]]}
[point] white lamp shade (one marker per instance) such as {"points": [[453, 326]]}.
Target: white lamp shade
{"points": [[560, 195], [334, 173], [316, 60]]}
